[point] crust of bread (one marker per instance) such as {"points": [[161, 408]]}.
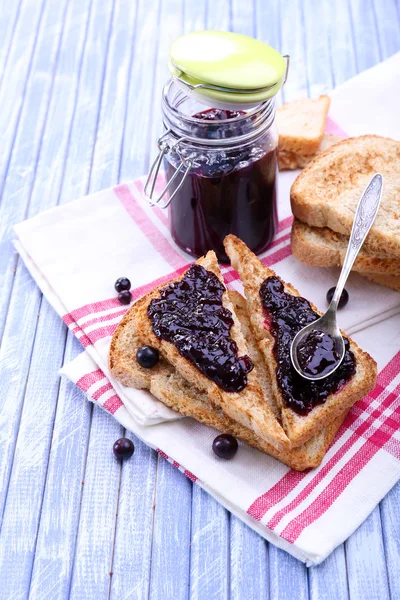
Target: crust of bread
{"points": [[165, 383], [246, 407], [291, 160], [301, 125], [298, 428], [327, 191], [322, 247]]}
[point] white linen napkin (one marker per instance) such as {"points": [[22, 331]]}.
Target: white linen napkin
{"points": [[77, 251]]}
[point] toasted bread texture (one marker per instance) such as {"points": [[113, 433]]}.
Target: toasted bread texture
{"points": [[291, 160], [322, 247], [246, 407], [301, 125], [299, 428], [165, 383], [327, 191]]}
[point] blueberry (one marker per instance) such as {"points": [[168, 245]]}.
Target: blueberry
{"points": [[147, 357], [122, 284], [125, 297], [344, 298], [123, 448], [225, 446]]}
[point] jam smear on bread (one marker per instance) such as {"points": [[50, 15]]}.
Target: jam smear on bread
{"points": [[190, 314], [285, 316]]}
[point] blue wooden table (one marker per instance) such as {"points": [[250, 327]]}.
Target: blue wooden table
{"points": [[80, 84]]}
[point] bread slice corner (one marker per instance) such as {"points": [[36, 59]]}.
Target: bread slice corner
{"points": [[301, 125], [299, 428], [291, 160]]}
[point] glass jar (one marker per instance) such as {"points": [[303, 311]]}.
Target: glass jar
{"points": [[221, 170]]}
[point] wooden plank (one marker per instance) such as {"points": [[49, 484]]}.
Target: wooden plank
{"points": [[14, 367], [218, 15], [30, 50], [390, 516], [12, 95], [9, 14], [138, 145], [25, 490], [133, 536], [340, 41], [329, 579], [170, 27], [365, 40], [243, 18], [288, 576], [317, 30], [366, 568], [93, 555], [171, 535], [294, 43], [209, 577], [387, 25], [249, 577], [17, 192], [55, 546]]}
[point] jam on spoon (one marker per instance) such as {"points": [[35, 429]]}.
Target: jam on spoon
{"points": [[317, 353]]}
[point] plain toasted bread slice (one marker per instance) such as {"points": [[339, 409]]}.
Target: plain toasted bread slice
{"points": [[326, 193], [322, 247], [301, 125], [299, 428], [246, 407], [174, 391], [291, 160]]}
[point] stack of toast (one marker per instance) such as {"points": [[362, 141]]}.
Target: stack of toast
{"points": [[257, 414], [324, 198]]}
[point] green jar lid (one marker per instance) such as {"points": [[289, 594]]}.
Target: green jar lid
{"points": [[246, 70]]}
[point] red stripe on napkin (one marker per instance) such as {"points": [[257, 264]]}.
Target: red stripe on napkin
{"points": [[89, 379], [159, 242]]}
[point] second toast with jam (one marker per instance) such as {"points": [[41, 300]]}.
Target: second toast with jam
{"points": [[277, 313]]}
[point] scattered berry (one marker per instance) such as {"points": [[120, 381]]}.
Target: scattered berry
{"points": [[344, 298], [123, 448], [225, 446], [147, 357], [122, 284], [125, 297]]}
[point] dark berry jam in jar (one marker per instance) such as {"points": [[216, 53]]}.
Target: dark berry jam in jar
{"points": [[220, 169]]}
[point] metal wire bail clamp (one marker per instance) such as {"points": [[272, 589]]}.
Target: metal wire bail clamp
{"points": [[154, 171]]}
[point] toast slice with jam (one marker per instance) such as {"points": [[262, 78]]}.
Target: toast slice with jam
{"points": [[167, 385], [193, 324], [277, 312]]}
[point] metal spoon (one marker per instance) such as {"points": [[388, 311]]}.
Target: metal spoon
{"points": [[365, 216]]}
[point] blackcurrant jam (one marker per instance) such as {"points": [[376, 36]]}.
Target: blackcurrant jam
{"points": [[229, 188], [285, 315], [190, 314]]}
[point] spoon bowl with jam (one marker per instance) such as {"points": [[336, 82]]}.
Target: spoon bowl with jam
{"points": [[318, 349]]}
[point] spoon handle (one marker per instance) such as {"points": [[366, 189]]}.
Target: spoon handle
{"points": [[363, 219]]}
